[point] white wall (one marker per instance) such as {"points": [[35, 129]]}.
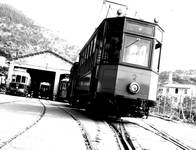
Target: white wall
{"points": [[44, 61]]}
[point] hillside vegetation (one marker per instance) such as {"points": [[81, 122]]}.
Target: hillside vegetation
{"points": [[179, 76], [19, 36]]}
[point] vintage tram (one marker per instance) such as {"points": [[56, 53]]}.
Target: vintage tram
{"points": [[63, 88], [118, 67], [44, 90], [19, 83]]}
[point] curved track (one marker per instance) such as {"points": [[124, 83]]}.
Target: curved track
{"points": [[88, 143], [93, 131], [22, 131], [94, 139], [85, 135]]}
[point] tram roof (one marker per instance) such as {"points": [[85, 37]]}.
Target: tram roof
{"points": [[121, 18], [133, 19]]}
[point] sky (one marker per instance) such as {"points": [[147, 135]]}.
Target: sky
{"points": [[76, 20]]}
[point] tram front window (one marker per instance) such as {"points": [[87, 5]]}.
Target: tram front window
{"points": [[136, 51]]}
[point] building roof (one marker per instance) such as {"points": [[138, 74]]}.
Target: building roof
{"points": [[173, 85], [42, 52]]}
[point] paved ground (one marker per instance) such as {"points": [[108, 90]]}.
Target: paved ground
{"points": [[28, 123]]}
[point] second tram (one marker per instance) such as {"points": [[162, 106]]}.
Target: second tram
{"points": [[63, 88], [19, 83], [44, 90], [118, 67]]}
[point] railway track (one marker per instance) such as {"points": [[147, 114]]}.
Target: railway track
{"points": [[124, 140], [118, 137], [26, 128], [92, 142], [7, 102], [129, 142], [152, 129], [86, 137], [168, 137]]}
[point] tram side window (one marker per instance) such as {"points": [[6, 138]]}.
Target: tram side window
{"points": [[23, 79], [112, 49], [87, 52], [82, 58], [136, 51], [90, 49], [99, 44], [18, 78], [94, 44]]}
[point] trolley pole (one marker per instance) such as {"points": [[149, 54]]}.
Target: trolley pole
{"points": [[115, 3], [106, 1]]}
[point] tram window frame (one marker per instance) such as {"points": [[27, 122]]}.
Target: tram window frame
{"points": [[85, 55], [150, 49], [100, 43], [94, 43], [23, 79], [80, 59], [90, 49], [18, 78], [135, 27], [92, 46], [87, 52], [112, 47]]}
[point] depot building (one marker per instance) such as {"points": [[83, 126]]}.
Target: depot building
{"points": [[45, 66]]}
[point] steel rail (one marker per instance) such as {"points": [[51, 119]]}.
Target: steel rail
{"points": [[117, 136], [8, 102], [121, 137], [84, 132], [132, 142], [169, 138], [40, 116], [165, 136]]}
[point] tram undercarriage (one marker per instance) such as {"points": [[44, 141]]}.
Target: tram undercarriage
{"points": [[118, 106]]}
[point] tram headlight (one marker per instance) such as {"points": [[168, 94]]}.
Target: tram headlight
{"points": [[133, 88]]}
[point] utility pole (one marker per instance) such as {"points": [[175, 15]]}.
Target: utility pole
{"points": [[181, 107]]}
